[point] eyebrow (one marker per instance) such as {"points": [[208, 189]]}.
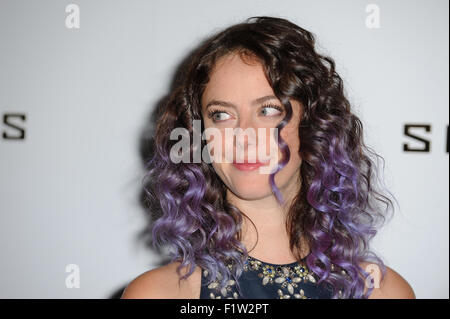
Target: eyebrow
{"points": [[229, 104]]}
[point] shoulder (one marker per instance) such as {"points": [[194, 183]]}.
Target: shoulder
{"points": [[391, 286], [163, 283]]}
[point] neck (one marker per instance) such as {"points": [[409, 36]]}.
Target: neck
{"points": [[271, 240]]}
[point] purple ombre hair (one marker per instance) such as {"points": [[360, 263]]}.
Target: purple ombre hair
{"points": [[337, 209]]}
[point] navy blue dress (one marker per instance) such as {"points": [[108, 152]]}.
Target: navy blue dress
{"points": [[261, 280]]}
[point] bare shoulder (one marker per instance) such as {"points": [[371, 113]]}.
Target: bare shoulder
{"points": [[163, 283], [392, 286]]}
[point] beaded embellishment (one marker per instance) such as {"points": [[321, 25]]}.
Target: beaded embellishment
{"points": [[285, 277]]}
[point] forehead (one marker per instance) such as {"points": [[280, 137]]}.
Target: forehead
{"points": [[236, 78]]}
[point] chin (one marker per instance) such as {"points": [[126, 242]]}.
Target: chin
{"points": [[251, 195], [251, 188]]}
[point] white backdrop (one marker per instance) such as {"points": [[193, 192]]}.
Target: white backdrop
{"points": [[76, 102]]}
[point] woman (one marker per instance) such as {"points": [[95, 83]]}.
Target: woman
{"points": [[298, 230]]}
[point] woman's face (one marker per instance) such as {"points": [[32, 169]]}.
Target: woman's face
{"points": [[238, 95]]}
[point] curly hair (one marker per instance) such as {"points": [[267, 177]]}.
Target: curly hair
{"points": [[337, 209]]}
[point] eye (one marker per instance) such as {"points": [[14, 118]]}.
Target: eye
{"points": [[271, 110], [217, 115]]}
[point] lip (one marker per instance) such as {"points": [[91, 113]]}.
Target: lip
{"points": [[246, 166]]}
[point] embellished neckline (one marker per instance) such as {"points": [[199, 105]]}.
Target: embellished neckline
{"points": [[284, 280]]}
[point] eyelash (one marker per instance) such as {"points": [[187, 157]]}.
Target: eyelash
{"points": [[212, 112]]}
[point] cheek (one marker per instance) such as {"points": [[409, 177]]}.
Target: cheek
{"points": [[221, 147], [290, 135], [219, 169], [292, 140]]}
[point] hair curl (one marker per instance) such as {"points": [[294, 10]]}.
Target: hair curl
{"points": [[336, 209]]}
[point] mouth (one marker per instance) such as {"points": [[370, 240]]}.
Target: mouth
{"points": [[248, 166]]}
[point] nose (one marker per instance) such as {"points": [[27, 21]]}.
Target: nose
{"points": [[246, 134]]}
